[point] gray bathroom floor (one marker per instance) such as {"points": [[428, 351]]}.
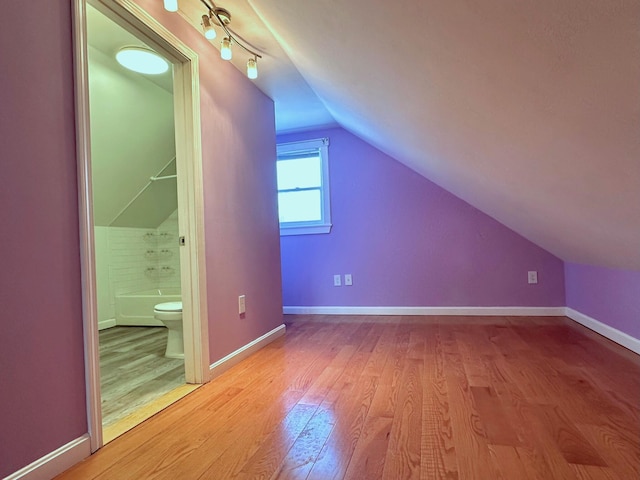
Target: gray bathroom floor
{"points": [[134, 370]]}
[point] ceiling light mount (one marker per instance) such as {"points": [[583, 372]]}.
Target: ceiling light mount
{"points": [[221, 17]]}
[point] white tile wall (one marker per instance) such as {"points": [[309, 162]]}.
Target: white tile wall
{"points": [[169, 253], [106, 309], [135, 259], [128, 262]]}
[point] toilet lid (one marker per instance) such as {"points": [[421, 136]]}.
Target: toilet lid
{"points": [[169, 307]]}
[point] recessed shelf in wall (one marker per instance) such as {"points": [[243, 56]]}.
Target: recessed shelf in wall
{"points": [[158, 254], [158, 237], [163, 271]]}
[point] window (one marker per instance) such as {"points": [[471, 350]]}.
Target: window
{"points": [[303, 187]]}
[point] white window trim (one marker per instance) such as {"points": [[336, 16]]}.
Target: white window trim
{"points": [[305, 228]]}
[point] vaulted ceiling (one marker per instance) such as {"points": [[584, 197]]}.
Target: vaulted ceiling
{"points": [[530, 111]]}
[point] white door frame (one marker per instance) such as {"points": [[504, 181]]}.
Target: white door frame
{"points": [[190, 194]]}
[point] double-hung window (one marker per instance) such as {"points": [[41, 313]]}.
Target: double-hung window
{"points": [[303, 187]]}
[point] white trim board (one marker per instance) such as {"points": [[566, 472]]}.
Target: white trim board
{"points": [[607, 331], [186, 92], [104, 324], [611, 333], [484, 311], [225, 363], [87, 241], [56, 462]]}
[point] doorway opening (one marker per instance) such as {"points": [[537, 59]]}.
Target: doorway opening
{"points": [[135, 215], [142, 228]]}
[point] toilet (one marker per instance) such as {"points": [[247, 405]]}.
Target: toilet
{"points": [[170, 314]]}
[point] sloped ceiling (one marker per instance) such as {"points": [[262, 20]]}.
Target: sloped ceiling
{"points": [[529, 111], [132, 133], [296, 104]]}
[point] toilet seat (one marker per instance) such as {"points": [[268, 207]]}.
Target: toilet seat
{"points": [[168, 307]]}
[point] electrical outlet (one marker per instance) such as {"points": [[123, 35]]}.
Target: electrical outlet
{"points": [[337, 282], [348, 279], [242, 304], [532, 277]]}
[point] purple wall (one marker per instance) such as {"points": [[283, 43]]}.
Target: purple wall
{"points": [[241, 231], [607, 295], [408, 242], [42, 399]]}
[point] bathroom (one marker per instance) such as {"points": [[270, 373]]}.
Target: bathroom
{"points": [[135, 211]]}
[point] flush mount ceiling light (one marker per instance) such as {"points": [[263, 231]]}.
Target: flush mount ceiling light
{"points": [[171, 5], [142, 60], [220, 17]]}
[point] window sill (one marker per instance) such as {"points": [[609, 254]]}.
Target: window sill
{"points": [[306, 230]]}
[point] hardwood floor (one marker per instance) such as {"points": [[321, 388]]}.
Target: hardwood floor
{"points": [[134, 370], [413, 398]]}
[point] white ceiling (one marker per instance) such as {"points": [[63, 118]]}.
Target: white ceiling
{"points": [[530, 111]]}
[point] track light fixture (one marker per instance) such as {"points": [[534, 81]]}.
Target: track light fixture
{"points": [[220, 17]]}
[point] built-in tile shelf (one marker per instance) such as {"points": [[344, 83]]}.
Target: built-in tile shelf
{"points": [[158, 254]]}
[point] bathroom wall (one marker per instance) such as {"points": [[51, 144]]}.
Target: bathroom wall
{"points": [[124, 257], [106, 307], [132, 138], [170, 253], [120, 266]]}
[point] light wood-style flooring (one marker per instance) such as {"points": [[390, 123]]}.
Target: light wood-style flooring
{"points": [[412, 398], [134, 370]]}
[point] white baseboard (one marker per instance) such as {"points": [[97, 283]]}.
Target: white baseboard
{"points": [[611, 333], [56, 462], [510, 311], [104, 324], [240, 354]]}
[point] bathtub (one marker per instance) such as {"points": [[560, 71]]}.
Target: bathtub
{"points": [[136, 308]]}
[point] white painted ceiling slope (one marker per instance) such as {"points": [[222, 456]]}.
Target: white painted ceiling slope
{"points": [[132, 133], [530, 111]]}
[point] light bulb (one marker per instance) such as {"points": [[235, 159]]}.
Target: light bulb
{"points": [[252, 69], [171, 5], [209, 31], [225, 49]]}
